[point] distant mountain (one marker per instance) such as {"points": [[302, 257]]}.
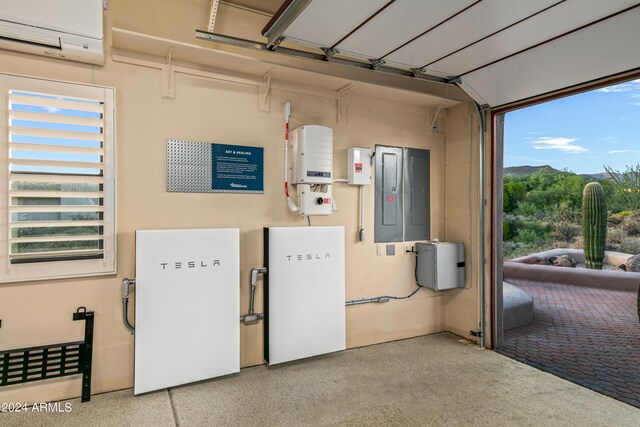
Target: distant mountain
{"points": [[530, 170], [527, 170], [599, 176]]}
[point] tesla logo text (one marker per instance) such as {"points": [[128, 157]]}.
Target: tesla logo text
{"points": [[189, 264], [308, 257]]}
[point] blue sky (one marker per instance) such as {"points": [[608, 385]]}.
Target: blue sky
{"points": [[581, 132]]}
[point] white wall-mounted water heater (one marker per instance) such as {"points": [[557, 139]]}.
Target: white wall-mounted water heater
{"points": [[312, 168]]}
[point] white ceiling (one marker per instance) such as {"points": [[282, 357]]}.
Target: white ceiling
{"points": [[504, 50]]}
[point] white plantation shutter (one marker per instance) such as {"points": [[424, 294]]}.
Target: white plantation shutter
{"points": [[58, 180]]}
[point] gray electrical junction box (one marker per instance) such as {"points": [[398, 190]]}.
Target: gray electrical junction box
{"points": [[440, 265]]}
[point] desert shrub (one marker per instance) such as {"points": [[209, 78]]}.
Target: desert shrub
{"points": [[512, 250], [626, 185], [614, 219], [615, 238], [631, 224], [630, 245], [510, 224], [565, 231], [528, 235], [528, 209], [509, 248]]}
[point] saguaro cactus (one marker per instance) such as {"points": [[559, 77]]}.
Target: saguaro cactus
{"points": [[594, 224]]}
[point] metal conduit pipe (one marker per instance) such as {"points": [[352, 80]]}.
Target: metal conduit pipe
{"points": [[125, 303], [252, 317], [366, 301], [481, 143]]}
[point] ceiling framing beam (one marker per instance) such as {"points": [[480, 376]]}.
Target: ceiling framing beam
{"points": [[320, 57], [274, 29], [353, 70]]}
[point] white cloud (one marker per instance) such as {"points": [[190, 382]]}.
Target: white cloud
{"points": [[631, 86], [558, 143], [622, 151]]}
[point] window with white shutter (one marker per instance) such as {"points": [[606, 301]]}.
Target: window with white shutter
{"points": [[58, 216]]}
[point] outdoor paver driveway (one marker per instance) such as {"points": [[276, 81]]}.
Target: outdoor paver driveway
{"points": [[589, 336]]}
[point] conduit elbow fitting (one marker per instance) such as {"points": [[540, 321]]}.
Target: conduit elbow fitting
{"points": [[125, 287]]}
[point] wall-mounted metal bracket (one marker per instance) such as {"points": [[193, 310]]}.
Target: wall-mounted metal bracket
{"points": [[438, 119], [44, 362], [168, 77], [212, 15], [468, 90], [274, 32], [329, 52], [344, 102], [376, 63], [265, 92], [417, 72]]}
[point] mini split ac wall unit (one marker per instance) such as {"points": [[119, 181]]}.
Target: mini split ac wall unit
{"points": [[64, 29]]}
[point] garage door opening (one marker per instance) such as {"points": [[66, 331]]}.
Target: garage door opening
{"points": [[570, 193]]}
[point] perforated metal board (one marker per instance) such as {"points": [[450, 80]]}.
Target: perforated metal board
{"points": [[188, 166]]}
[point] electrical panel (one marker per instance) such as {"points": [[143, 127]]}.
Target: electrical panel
{"points": [[388, 193], [417, 224], [402, 204], [359, 166], [440, 265], [312, 154]]}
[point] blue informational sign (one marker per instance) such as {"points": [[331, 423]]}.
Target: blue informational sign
{"points": [[237, 169]]}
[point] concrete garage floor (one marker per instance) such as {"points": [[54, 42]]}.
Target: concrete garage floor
{"points": [[431, 380]]}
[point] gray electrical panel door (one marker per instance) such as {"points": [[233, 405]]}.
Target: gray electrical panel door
{"points": [[416, 194], [388, 194]]}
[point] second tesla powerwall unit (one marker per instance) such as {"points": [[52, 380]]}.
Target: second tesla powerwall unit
{"points": [[304, 292], [187, 306]]}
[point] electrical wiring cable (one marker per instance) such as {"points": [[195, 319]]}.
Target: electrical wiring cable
{"points": [[383, 298], [405, 297]]}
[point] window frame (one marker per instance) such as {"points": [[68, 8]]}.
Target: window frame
{"points": [[70, 268]]}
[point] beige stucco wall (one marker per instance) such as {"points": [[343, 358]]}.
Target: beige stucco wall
{"points": [[462, 202], [214, 111]]}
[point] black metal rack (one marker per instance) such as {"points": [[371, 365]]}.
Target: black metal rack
{"points": [[23, 365]]}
